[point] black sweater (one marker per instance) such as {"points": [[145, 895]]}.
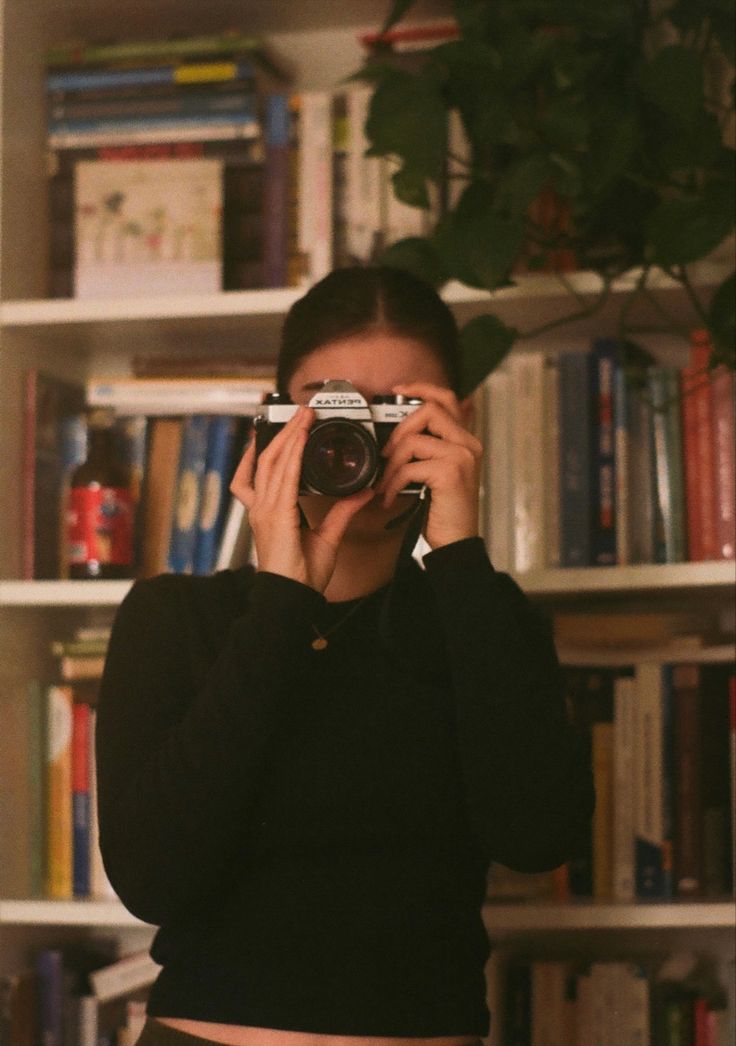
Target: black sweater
{"points": [[312, 830]]}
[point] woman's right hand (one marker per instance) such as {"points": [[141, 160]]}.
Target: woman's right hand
{"points": [[270, 494]]}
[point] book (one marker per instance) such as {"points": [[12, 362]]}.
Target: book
{"points": [[363, 179], [49, 402], [526, 372], [603, 465], [124, 976], [181, 74], [623, 798], [81, 816], [603, 780], [59, 792], [653, 840], [642, 485], [157, 500], [81, 667], [140, 104], [664, 389], [188, 493], [315, 190], [498, 463], [218, 468], [725, 461], [235, 544], [575, 459], [50, 987], [551, 396], [18, 1008], [148, 227], [699, 453], [100, 886], [715, 780], [687, 755], [180, 396], [277, 136]]}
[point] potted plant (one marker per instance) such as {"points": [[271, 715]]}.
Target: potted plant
{"points": [[620, 113]]}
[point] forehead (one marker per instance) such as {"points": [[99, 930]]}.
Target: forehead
{"points": [[374, 362]]}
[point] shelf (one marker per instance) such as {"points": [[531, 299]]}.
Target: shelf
{"points": [[501, 918], [628, 655], [515, 918], [67, 913], [578, 581]]}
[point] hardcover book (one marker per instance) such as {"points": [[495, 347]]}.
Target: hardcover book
{"points": [[149, 227]]}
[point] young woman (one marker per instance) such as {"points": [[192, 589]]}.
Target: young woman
{"points": [[306, 769]]}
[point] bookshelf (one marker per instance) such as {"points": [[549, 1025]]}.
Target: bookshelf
{"points": [[81, 338]]}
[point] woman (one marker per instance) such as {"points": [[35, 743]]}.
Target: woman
{"points": [[305, 771]]}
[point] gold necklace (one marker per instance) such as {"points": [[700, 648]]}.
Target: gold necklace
{"points": [[320, 640]]}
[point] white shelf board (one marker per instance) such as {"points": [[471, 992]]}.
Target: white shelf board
{"points": [[577, 581], [638, 577], [39, 912], [515, 918], [62, 593], [629, 655]]}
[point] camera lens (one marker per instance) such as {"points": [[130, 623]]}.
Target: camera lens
{"points": [[340, 458]]}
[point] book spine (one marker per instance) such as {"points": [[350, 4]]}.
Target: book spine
{"points": [[622, 472], [642, 495], [623, 885], [220, 441], [498, 463], [148, 134], [698, 456], [100, 886], [50, 987], [36, 742], [80, 801], [527, 450], [188, 493], [686, 697], [276, 191], [603, 741], [603, 464], [575, 458], [363, 179], [228, 44], [552, 462], [725, 457], [59, 792], [667, 432], [650, 814], [315, 183], [142, 122], [126, 975], [62, 112]]}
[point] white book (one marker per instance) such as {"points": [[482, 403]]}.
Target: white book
{"points": [[235, 543], [100, 886], [499, 479], [125, 975], [624, 697], [88, 1022], [148, 227], [227, 130], [527, 458], [170, 396], [363, 178], [315, 165]]}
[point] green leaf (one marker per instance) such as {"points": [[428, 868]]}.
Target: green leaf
{"points": [[477, 245], [521, 182], [410, 187], [484, 342], [722, 320], [418, 256], [673, 82], [697, 145], [398, 9], [408, 118], [682, 230]]}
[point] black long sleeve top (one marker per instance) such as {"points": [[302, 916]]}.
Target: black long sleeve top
{"points": [[311, 830]]}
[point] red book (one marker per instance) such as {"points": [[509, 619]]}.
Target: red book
{"points": [[698, 452], [704, 1022], [725, 461]]}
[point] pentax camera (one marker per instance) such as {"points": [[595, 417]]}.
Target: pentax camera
{"points": [[342, 454]]}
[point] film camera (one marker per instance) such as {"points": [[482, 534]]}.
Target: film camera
{"points": [[342, 454]]}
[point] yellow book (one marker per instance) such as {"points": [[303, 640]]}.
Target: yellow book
{"points": [[59, 793], [603, 816]]}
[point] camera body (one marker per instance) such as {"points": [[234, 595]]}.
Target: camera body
{"points": [[342, 454]]}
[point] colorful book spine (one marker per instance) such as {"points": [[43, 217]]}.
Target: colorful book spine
{"points": [[575, 459], [186, 73], [276, 191], [622, 412], [188, 493], [81, 815], [100, 886], [220, 443], [61, 112], [59, 792], [725, 461], [603, 463], [687, 851]]}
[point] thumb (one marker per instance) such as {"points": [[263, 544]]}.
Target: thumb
{"points": [[335, 523]]}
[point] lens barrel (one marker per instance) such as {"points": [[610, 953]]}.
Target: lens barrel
{"points": [[340, 458]]}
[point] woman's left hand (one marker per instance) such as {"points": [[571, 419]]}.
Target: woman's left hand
{"points": [[432, 446]]}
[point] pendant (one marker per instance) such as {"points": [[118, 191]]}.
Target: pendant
{"points": [[320, 643]]}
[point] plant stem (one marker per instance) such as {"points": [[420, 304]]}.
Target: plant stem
{"points": [[571, 317]]}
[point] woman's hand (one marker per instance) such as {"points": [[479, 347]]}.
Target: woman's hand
{"points": [[270, 493], [432, 446]]}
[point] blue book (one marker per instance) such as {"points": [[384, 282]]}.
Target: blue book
{"points": [[81, 829], [50, 987], [166, 74], [245, 119], [575, 459], [277, 133], [188, 492], [603, 465], [214, 500]]}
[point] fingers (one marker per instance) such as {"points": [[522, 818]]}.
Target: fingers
{"points": [[434, 418], [242, 482], [333, 526], [424, 391]]}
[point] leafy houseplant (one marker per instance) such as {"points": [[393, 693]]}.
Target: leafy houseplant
{"points": [[613, 109]]}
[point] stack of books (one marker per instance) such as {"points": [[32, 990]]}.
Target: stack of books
{"points": [[158, 154]]}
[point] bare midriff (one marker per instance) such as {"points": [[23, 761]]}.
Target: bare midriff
{"points": [[242, 1035]]}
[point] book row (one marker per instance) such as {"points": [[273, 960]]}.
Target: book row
{"points": [[591, 466], [76, 995], [676, 1001]]}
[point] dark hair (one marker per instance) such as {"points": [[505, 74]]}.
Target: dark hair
{"points": [[358, 299]]}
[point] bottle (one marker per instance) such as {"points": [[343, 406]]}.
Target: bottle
{"points": [[100, 508]]}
